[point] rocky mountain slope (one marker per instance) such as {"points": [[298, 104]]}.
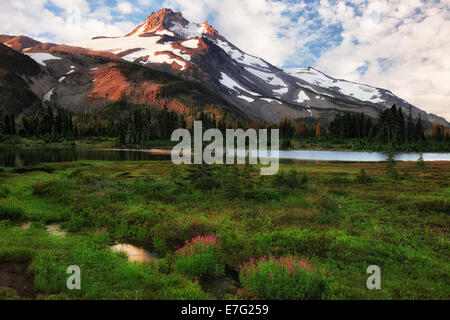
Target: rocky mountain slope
{"points": [[87, 74]]}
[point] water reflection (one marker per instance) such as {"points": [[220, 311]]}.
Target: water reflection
{"points": [[16, 157], [55, 230], [135, 254]]}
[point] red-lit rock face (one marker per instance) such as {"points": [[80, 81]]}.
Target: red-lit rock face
{"points": [[163, 19], [20, 43]]}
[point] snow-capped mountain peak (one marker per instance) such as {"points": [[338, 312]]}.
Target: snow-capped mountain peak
{"points": [[168, 22], [196, 51]]}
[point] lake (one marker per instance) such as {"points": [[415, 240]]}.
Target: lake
{"points": [[19, 157]]}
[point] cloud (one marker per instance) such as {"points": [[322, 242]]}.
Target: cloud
{"points": [[402, 45], [259, 27], [60, 21], [125, 7], [395, 44]]}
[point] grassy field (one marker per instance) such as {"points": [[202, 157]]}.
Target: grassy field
{"points": [[338, 218]]}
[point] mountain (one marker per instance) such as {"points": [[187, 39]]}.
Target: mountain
{"points": [[23, 82], [90, 72], [82, 80]]}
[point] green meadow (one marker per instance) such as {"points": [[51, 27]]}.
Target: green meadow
{"points": [[341, 217]]}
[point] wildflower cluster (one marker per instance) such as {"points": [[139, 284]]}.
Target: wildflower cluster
{"points": [[201, 257], [283, 278], [199, 245]]}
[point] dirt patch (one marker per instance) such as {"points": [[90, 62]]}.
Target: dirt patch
{"points": [[14, 275]]}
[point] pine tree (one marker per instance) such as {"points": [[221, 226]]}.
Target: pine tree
{"points": [[410, 127], [391, 165], [418, 132], [202, 176], [420, 161], [232, 187]]}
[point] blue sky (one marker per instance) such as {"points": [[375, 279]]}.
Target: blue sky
{"points": [[395, 44]]}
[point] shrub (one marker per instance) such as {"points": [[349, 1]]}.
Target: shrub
{"points": [[421, 162], [59, 189], [284, 278], [391, 166], [203, 177], [363, 177], [4, 191], [200, 257], [291, 181], [9, 210], [8, 294]]}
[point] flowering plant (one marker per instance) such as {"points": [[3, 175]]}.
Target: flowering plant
{"points": [[200, 257], [284, 278]]}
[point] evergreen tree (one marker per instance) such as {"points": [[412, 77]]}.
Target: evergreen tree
{"points": [[232, 187], [420, 161], [202, 176], [410, 128]]}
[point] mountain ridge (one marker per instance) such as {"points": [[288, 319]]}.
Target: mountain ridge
{"points": [[167, 42]]}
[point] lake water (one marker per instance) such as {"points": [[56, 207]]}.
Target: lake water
{"points": [[16, 157]]}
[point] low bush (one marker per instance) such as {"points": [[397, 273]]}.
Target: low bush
{"points": [[59, 189], [284, 278], [201, 257], [9, 210], [4, 191], [363, 177], [43, 168]]}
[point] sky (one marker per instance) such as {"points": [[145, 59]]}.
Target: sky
{"points": [[400, 45]]}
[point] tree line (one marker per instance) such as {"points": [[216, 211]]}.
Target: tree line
{"points": [[144, 124]]}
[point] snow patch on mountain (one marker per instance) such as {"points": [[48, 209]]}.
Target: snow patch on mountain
{"points": [[281, 91], [302, 97], [149, 47], [240, 56], [192, 44], [358, 91], [48, 95], [41, 57], [268, 77], [191, 30], [165, 32], [271, 100], [233, 85], [246, 98]]}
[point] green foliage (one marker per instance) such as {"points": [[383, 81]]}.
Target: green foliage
{"points": [[55, 189], [4, 191], [391, 166], [10, 210], [420, 162], [203, 176], [283, 278], [363, 177], [291, 181], [201, 257], [102, 203], [8, 294]]}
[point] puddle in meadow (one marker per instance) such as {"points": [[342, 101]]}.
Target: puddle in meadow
{"points": [[55, 230], [219, 287], [25, 225], [135, 254]]}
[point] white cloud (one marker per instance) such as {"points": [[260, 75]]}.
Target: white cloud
{"points": [[416, 45], [413, 44], [76, 22], [259, 27], [125, 7]]}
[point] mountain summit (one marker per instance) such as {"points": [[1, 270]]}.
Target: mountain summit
{"points": [[168, 42], [167, 20]]}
